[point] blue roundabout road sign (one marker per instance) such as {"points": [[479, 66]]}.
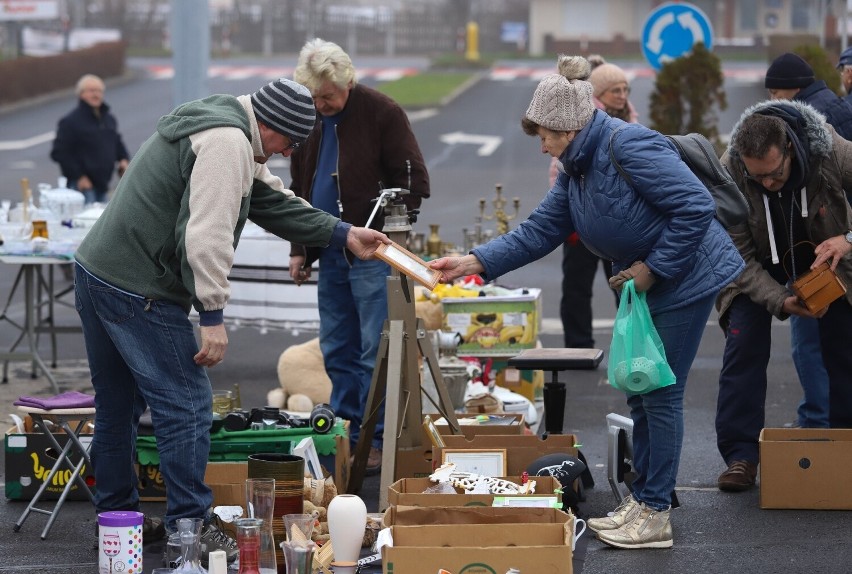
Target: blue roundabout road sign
{"points": [[672, 30]]}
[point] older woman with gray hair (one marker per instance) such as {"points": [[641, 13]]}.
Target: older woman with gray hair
{"points": [[660, 231]]}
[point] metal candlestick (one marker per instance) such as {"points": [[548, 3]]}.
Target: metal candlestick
{"points": [[499, 214]]}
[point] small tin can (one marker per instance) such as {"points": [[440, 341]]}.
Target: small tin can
{"points": [[120, 542]]}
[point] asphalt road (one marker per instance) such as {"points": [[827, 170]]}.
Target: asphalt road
{"points": [[714, 532]]}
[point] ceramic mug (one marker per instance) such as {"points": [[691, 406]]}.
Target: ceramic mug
{"points": [[578, 531]]}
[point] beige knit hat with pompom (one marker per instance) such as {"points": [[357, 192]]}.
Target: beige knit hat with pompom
{"points": [[563, 102], [606, 76]]}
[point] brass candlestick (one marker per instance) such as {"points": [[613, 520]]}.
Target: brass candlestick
{"points": [[499, 214]]}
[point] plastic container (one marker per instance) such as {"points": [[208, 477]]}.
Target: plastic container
{"points": [[63, 203], [120, 542]]}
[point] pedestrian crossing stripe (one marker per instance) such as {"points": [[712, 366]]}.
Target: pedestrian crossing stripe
{"points": [[235, 73]]}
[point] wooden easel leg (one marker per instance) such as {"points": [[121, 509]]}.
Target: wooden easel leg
{"points": [[395, 409], [446, 406], [378, 388]]}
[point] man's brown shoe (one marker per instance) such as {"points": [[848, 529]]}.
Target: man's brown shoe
{"points": [[374, 461], [740, 476]]}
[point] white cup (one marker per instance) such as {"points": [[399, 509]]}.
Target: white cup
{"points": [[578, 531]]}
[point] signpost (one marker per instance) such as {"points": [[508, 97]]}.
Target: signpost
{"points": [[672, 30]]}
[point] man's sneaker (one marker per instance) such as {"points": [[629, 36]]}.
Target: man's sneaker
{"points": [[624, 512], [153, 529], [740, 476], [649, 529], [213, 537]]}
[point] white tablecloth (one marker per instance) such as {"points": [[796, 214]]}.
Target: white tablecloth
{"points": [[262, 293]]}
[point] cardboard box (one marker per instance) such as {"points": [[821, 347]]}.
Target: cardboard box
{"points": [[227, 480], [495, 540], [470, 425], [525, 382], [152, 488], [29, 456], [805, 468], [521, 451], [409, 492], [417, 462], [497, 326]]}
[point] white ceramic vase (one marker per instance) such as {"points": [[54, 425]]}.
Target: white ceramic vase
{"points": [[347, 520]]}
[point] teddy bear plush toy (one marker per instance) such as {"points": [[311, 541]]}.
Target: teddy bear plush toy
{"points": [[301, 374]]}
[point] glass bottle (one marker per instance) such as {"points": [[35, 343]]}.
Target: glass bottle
{"points": [[190, 543], [248, 541], [433, 243]]}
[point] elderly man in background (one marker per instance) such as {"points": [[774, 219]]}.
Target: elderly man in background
{"points": [[87, 145]]}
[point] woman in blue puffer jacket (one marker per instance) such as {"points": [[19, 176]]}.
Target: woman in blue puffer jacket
{"points": [[660, 232]]}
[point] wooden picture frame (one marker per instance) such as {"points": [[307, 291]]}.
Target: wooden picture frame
{"points": [[432, 433], [483, 461], [409, 264]]}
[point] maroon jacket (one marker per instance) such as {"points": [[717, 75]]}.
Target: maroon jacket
{"points": [[375, 141]]}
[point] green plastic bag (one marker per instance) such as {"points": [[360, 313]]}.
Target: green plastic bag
{"points": [[637, 359]]}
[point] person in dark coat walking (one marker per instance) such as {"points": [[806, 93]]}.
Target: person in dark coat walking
{"points": [[87, 145]]}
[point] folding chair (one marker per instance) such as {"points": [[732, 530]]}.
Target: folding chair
{"points": [[73, 447]]}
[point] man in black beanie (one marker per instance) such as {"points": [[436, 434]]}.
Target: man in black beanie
{"points": [[164, 244], [789, 77]]}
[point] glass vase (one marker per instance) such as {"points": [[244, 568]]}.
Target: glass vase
{"points": [[248, 541], [260, 504], [347, 519], [189, 531], [298, 556]]}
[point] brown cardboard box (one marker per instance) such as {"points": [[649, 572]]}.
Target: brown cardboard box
{"points": [[151, 486], [417, 462], [515, 427], [526, 382], [226, 477], [495, 540], [805, 468], [227, 480], [494, 326], [29, 456], [520, 450], [409, 492]]}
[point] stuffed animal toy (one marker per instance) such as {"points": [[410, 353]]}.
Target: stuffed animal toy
{"points": [[303, 379]]}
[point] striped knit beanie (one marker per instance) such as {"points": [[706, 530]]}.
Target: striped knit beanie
{"points": [[286, 107]]}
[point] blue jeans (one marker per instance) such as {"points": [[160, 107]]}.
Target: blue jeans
{"points": [[807, 356], [140, 352], [658, 415], [353, 306]]}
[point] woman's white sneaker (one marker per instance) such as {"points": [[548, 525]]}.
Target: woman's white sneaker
{"points": [[649, 529]]}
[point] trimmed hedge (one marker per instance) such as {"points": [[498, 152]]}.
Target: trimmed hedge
{"points": [[28, 77]]}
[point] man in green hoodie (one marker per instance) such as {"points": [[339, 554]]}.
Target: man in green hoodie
{"points": [[166, 243]]}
